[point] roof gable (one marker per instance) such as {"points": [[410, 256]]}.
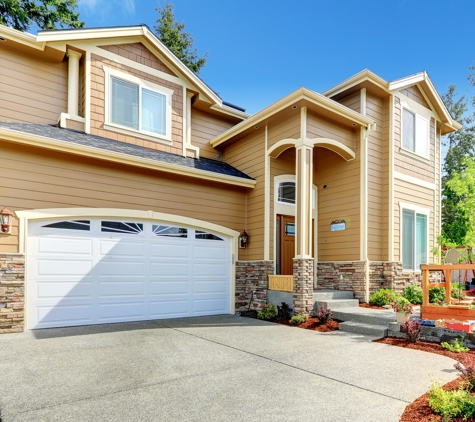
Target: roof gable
{"points": [[137, 52]]}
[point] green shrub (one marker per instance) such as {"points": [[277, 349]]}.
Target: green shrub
{"points": [[413, 293], [451, 404], [458, 291], [268, 313], [284, 312], [298, 319], [383, 297], [457, 347], [436, 294]]}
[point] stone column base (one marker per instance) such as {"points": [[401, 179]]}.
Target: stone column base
{"points": [[303, 285], [12, 293], [252, 277]]}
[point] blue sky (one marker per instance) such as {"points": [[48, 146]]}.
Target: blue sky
{"points": [[260, 51]]}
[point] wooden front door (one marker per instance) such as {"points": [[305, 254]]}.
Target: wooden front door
{"points": [[286, 243]]}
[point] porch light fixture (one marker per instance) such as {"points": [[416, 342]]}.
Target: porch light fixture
{"points": [[6, 220], [243, 240], [353, 124], [294, 107], [256, 127], [2, 39]]}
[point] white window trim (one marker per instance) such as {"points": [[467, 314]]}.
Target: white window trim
{"points": [[109, 125], [418, 210]]}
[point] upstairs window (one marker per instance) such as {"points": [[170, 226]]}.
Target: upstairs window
{"points": [[138, 108], [415, 133], [136, 105]]}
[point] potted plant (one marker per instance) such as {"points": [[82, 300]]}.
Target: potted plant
{"points": [[403, 309]]}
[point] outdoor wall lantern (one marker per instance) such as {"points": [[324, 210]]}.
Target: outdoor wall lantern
{"points": [[6, 220], [243, 239]]}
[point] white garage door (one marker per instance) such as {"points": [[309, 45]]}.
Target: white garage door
{"points": [[95, 271]]}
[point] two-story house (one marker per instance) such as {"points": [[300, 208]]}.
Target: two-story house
{"points": [[132, 184]]}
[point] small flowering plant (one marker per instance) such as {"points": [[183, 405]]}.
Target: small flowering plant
{"points": [[401, 304]]}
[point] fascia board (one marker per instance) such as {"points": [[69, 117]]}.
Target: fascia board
{"points": [[117, 157], [22, 37], [402, 83], [364, 75], [89, 34], [300, 94]]}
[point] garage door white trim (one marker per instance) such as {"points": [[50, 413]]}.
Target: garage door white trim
{"points": [[80, 213]]}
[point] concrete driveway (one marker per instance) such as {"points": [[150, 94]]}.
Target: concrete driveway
{"points": [[208, 369]]}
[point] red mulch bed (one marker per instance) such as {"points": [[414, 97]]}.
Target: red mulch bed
{"points": [[367, 305], [419, 410], [315, 325]]}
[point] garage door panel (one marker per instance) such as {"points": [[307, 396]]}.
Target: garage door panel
{"points": [[118, 248], [79, 277], [64, 267], [61, 246], [209, 305], [209, 253], [55, 290], [123, 311], [208, 269], [175, 285], [64, 315], [121, 288], [169, 250], [122, 268], [169, 269], [169, 309], [207, 286]]}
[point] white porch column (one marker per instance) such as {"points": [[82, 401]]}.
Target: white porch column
{"points": [[303, 216], [73, 82]]}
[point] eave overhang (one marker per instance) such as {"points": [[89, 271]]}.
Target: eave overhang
{"points": [[301, 97], [358, 81], [25, 138]]}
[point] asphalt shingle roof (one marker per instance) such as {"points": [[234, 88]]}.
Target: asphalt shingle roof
{"points": [[75, 137]]}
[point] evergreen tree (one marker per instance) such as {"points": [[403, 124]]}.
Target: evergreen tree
{"points": [[172, 34], [46, 14], [460, 144]]}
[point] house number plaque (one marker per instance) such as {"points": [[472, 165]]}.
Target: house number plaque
{"points": [[337, 225]]}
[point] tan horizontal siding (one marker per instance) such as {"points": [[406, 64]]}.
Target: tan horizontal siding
{"points": [[287, 128], [140, 54], [204, 127], [414, 195], [32, 90], [248, 155], [40, 179], [98, 110], [352, 101], [320, 127], [340, 199], [376, 109]]}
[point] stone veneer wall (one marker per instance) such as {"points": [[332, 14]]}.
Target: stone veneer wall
{"points": [[12, 293], [303, 285], [252, 276], [350, 275]]}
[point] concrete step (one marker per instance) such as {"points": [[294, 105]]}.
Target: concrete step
{"points": [[366, 329], [365, 315], [327, 294], [336, 303]]}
